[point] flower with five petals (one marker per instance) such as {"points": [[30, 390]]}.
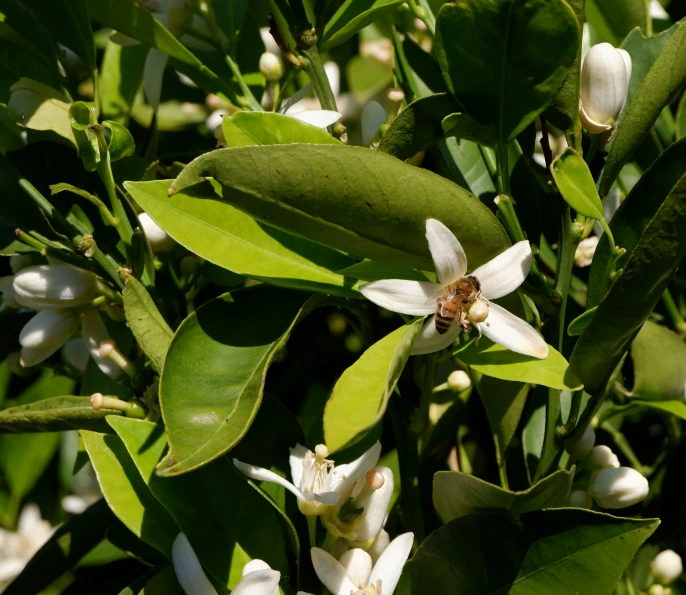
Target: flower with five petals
{"points": [[497, 278]]}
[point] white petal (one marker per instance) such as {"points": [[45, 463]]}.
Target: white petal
{"points": [[447, 253], [188, 570], [626, 56], [258, 582], [153, 73], [31, 357], [333, 73], [94, 333], [296, 459], [29, 520], [376, 509], [321, 118], [430, 340], [331, 573], [358, 565], [345, 476], [380, 544], [297, 96], [416, 298], [513, 333], [390, 565], [328, 498], [373, 116], [48, 328], [254, 565], [261, 474], [506, 272]]}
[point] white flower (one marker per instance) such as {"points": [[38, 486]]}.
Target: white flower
{"points": [[579, 499], [667, 567], [619, 487], [580, 448], [188, 570], [459, 381], [493, 280], [583, 257], [354, 573], [16, 549], [605, 78], [54, 286], [44, 334], [160, 240], [271, 66], [317, 482], [602, 457]]}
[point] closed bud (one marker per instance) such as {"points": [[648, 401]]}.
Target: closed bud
{"points": [[458, 381], [602, 457], [48, 328], [605, 78], [667, 567], [160, 240], [579, 499], [54, 286], [271, 66], [619, 488], [94, 333], [580, 448]]}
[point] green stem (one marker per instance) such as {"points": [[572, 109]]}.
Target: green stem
{"points": [[575, 407], [421, 419], [500, 458], [551, 448], [408, 460], [249, 98], [569, 240], [673, 312], [312, 530], [422, 10], [624, 446], [504, 170], [593, 149]]}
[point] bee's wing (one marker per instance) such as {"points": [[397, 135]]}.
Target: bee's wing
{"points": [[442, 293]]}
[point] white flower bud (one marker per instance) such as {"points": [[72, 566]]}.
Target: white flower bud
{"points": [[667, 567], [659, 590], [581, 447], [76, 354], [585, 251], [619, 488], [605, 78], [375, 509], [602, 457], [478, 311], [458, 381], [94, 333], [48, 328], [160, 240], [255, 566], [214, 120], [271, 66], [54, 286], [579, 499]]}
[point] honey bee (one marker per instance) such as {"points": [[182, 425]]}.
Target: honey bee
{"points": [[451, 301]]}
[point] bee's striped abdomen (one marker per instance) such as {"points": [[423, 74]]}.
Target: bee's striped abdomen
{"points": [[446, 312]]}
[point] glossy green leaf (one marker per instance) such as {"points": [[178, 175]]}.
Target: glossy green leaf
{"points": [[659, 357], [676, 408], [349, 198], [121, 75], [57, 414], [229, 238], [576, 184], [367, 77], [352, 16], [39, 107], [120, 143], [493, 360], [457, 495], [526, 47], [213, 378], [644, 51], [577, 326], [67, 545], [469, 159], [130, 18], [219, 511], [69, 23], [146, 323], [612, 20], [83, 115], [462, 126], [418, 72], [565, 552], [681, 118], [652, 260], [660, 183], [664, 79], [266, 128], [504, 402], [373, 270], [359, 399], [127, 494]]}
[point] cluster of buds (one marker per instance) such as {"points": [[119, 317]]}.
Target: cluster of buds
{"points": [[352, 501], [64, 297], [611, 486]]}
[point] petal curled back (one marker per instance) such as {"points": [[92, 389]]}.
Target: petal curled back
{"points": [[391, 562], [321, 118], [447, 253], [258, 582], [261, 474], [346, 476], [430, 340], [504, 273], [188, 570], [296, 458], [331, 573], [415, 298], [506, 329]]}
